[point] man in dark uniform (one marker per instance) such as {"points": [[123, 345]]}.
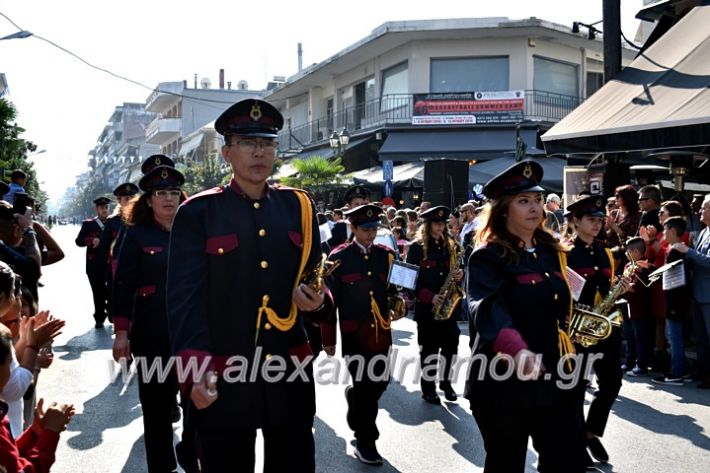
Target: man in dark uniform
{"points": [[361, 294], [114, 224], [96, 266], [435, 254], [354, 197], [594, 263], [237, 256]]}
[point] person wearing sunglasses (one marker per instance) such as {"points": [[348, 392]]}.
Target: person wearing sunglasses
{"points": [[139, 313]]}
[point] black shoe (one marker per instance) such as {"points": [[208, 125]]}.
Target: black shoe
{"points": [[597, 450], [348, 415], [187, 460], [431, 398], [99, 325], [449, 392], [367, 453]]}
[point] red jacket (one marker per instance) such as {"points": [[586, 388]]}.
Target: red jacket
{"points": [[31, 454]]}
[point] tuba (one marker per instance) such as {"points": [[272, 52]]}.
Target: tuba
{"points": [[450, 292], [589, 325], [314, 276]]}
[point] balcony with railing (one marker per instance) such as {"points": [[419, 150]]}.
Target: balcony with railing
{"points": [[165, 96], [163, 130], [540, 106]]}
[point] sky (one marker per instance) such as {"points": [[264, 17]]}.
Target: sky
{"points": [[64, 104]]}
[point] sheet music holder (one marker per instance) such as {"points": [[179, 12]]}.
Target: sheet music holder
{"points": [[657, 274], [403, 275]]}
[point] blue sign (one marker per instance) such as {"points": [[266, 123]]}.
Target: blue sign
{"points": [[389, 187], [387, 170]]}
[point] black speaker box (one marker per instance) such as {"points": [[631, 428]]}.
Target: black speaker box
{"points": [[446, 182]]}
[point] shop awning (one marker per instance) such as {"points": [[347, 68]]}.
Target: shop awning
{"points": [[660, 101], [480, 143], [191, 144], [407, 175]]}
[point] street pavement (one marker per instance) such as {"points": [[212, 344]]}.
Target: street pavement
{"points": [[652, 428]]}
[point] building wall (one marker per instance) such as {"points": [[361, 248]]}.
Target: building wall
{"points": [[196, 112]]}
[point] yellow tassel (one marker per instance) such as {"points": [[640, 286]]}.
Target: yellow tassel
{"points": [[565, 345], [286, 323], [563, 270], [380, 321]]}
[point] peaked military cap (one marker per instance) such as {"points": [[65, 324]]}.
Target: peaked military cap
{"points": [[592, 205], [102, 201], [161, 177], [126, 189], [439, 213], [524, 176], [357, 191], [366, 216], [250, 117], [154, 161]]}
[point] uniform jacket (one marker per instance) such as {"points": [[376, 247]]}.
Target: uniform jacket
{"points": [[432, 274], [592, 262], [139, 284], [109, 234], [91, 229], [227, 252], [350, 284], [512, 307]]}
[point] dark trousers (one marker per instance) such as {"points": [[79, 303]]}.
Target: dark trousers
{"points": [[98, 288], [557, 435], [436, 338], [363, 400], [157, 399], [609, 375], [287, 449]]}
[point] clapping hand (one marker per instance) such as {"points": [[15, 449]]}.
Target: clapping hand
{"points": [[54, 419]]}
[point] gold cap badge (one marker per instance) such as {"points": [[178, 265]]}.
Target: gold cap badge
{"points": [[157, 161], [164, 174], [255, 112], [441, 213], [527, 172], [369, 212]]}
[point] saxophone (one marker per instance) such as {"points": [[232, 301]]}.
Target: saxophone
{"points": [[450, 292], [588, 326]]}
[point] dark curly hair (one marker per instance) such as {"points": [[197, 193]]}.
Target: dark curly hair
{"points": [[628, 197], [137, 211]]}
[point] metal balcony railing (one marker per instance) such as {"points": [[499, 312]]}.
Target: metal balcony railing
{"points": [[397, 109]]}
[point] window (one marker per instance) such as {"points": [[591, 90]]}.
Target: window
{"points": [[595, 80], [556, 77], [469, 74], [395, 81]]}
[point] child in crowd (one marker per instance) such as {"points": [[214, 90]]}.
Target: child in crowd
{"points": [[639, 332], [677, 305]]}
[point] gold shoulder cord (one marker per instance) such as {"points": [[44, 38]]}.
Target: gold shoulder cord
{"points": [[564, 343], [380, 321], [286, 323]]}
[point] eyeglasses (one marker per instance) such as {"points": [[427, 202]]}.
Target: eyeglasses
{"points": [[167, 193], [641, 199], [249, 146]]}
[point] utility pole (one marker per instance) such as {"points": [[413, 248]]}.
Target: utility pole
{"points": [[611, 10]]}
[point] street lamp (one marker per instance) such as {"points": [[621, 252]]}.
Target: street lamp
{"points": [[19, 34], [339, 141]]}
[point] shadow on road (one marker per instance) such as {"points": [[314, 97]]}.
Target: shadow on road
{"points": [[108, 410], [136, 458], [401, 337], [408, 408], [645, 416], [94, 339]]}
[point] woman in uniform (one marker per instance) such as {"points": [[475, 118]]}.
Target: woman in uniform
{"points": [[519, 301], [595, 264], [139, 318], [435, 252]]}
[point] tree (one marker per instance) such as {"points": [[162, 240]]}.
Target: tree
{"points": [[204, 175], [13, 152], [315, 173]]}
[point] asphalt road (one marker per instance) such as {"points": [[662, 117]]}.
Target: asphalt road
{"points": [[652, 428]]}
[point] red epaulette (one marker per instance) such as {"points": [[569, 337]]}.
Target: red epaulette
{"points": [[340, 247], [213, 191], [384, 247]]}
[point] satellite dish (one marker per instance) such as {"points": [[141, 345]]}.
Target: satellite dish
{"points": [[242, 85], [205, 83]]}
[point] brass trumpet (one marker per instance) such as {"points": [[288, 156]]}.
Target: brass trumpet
{"points": [[314, 276], [398, 306]]}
